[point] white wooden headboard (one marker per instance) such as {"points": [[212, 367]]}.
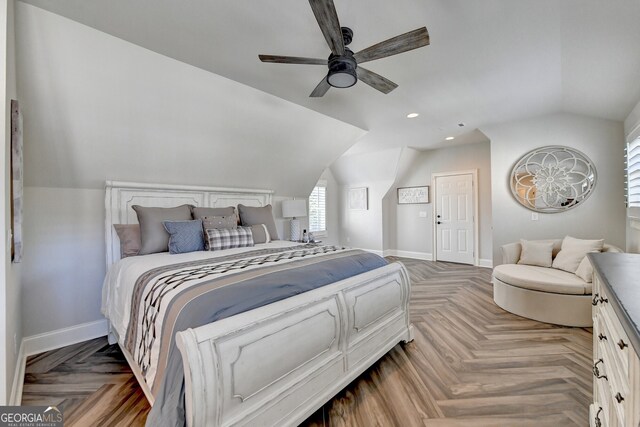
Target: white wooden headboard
{"points": [[120, 196]]}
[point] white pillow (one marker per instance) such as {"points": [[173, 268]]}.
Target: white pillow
{"points": [[536, 253], [585, 270], [573, 252]]}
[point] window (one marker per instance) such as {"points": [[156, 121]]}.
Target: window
{"points": [[633, 173], [318, 209]]}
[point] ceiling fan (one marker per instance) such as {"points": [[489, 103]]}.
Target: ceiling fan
{"points": [[344, 65]]}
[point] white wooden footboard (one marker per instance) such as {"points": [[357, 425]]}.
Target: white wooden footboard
{"points": [[277, 364]]}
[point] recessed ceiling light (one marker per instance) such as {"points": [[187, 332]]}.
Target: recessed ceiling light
{"points": [[412, 115], [449, 138]]}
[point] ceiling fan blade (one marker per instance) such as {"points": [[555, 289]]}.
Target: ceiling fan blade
{"points": [[278, 59], [402, 43], [327, 17], [376, 81], [321, 89]]}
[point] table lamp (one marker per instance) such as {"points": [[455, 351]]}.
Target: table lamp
{"points": [[294, 209]]}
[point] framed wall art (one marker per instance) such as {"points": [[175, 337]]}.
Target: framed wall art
{"points": [[413, 195], [16, 182], [359, 198]]}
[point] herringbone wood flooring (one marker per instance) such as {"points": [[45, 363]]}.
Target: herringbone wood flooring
{"points": [[471, 364]]}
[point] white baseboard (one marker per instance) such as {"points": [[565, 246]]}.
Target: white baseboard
{"points": [[15, 399], [63, 337], [487, 263], [50, 341], [425, 256]]}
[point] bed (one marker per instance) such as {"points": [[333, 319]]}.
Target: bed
{"points": [[271, 365]]}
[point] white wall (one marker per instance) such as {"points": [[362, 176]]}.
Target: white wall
{"points": [[601, 216], [632, 131], [108, 109], [411, 233], [10, 289], [64, 258], [375, 171]]}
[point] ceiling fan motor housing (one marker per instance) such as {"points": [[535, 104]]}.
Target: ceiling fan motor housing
{"points": [[342, 70]]}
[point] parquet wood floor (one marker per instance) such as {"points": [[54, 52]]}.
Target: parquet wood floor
{"points": [[471, 364]]}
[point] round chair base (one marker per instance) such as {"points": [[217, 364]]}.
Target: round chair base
{"points": [[559, 309]]}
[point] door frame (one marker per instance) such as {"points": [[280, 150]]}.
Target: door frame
{"points": [[474, 196]]}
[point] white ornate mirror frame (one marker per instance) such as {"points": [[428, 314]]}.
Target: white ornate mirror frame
{"points": [[552, 179]]}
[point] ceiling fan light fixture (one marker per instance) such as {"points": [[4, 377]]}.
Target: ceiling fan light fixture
{"points": [[342, 70], [342, 79]]}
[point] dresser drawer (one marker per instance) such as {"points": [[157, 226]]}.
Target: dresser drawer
{"points": [[606, 337], [616, 337]]}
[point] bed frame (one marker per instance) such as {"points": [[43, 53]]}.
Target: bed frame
{"points": [[277, 364]]}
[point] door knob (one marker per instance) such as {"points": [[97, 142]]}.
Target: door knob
{"points": [[439, 222], [438, 216]]}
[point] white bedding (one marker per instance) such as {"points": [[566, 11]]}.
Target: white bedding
{"points": [[119, 282]]}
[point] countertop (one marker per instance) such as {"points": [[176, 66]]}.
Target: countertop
{"points": [[620, 274]]}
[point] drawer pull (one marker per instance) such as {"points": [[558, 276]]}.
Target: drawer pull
{"points": [[603, 299], [597, 420], [619, 398], [622, 344], [596, 371], [595, 300], [602, 337]]}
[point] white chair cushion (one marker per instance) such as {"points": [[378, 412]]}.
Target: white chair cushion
{"points": [[573, 252], [535, 253], [541, 279]]}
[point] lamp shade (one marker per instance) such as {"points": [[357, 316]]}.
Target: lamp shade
{"points": [[294, 208]]}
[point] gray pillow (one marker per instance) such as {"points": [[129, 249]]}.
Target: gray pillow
{"points": [[153, 236], [184, 236], [199, 213], [219, 222], [253, 216], [129, 235], [260, 233]]}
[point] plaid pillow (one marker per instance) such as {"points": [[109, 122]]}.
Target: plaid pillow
{"points": [[227, 238]]}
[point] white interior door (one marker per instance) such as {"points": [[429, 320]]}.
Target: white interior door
{"points": [[455, 232]]}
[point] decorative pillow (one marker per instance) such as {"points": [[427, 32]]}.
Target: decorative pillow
{"points": [[253, 216], [260, 234], [129, 235], [199, 213], [227, 238], [219, 222], [153, 235], [536, 253], [573, 251], [184, 236], [585, 270]]}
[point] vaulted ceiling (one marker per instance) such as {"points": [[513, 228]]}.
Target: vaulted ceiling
{"points": [[489, 61]]}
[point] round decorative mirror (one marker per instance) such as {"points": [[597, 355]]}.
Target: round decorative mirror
{"points": [[553, 179]]}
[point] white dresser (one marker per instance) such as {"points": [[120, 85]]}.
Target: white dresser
{"points": [[616, 341]]}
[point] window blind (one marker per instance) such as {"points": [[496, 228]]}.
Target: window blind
{"points": [[633, 173], [317, 209]]}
